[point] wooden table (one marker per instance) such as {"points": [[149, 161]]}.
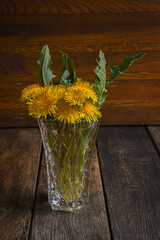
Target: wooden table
{"points": [[125, 184]]}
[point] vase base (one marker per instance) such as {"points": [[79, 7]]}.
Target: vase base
{"points": [[68, 207]]}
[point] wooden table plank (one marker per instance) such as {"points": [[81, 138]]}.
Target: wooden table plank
{"points": [[131, 169], [155, 133], [89, 223], [19, 163]]}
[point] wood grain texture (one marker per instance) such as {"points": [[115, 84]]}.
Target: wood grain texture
{"points": [[76, 7], [19, 162], [81, 29], [89, 223], [155, 133], [130, 168]]}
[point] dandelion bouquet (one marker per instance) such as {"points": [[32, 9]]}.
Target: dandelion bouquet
{"points": [[68, 113]]}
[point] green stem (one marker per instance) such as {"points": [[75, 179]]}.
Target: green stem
{"points": [[71, 150]]}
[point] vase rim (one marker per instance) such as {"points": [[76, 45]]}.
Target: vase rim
{"points": [[53, 120]]}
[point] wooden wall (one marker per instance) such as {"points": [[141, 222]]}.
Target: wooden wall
{"points": [[81, 28]]}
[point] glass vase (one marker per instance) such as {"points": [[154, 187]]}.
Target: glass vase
{"points": [[68, 149]]}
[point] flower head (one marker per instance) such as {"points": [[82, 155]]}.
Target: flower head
{"points": [[66, 112], [75, 96], [80, 92], [29, 92], [82, 83], [43, 104], [59, 90], [90, 112]]}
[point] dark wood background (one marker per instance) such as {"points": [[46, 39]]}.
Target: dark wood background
{"points": [[81, 28]]}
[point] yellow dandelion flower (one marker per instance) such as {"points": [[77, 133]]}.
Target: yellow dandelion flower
{"points": [[90, 112], [59, 90], [43, 104], [29, 91], [79, 93], [75, 96], [83, 83], [66, 112], [86, 86]]}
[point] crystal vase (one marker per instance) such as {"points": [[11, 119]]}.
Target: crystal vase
{"points": [[68, 151]]}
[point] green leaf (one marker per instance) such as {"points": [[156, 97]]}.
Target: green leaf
{"points": [[100, 82], [64, 71], [118, 70], [102, 99], [72, 70], [100, 71], [45, 62], [67, 63], [54, 83]]}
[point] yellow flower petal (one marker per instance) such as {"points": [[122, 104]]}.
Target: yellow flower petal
{"points": [[79, 93], [59, 90], [28, 92], [90, 112], [43, 104], [66, 112]]}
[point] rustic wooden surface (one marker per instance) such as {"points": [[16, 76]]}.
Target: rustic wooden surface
{"points": [[130, 168], [124, 197], [19, 163], [89, 223], [155, 133], [81, 29]]}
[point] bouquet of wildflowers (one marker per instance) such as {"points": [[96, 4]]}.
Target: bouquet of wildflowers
{"points": [[68, 109]]}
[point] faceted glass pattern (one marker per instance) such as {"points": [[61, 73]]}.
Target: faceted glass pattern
{"points": [[68, 151]]}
